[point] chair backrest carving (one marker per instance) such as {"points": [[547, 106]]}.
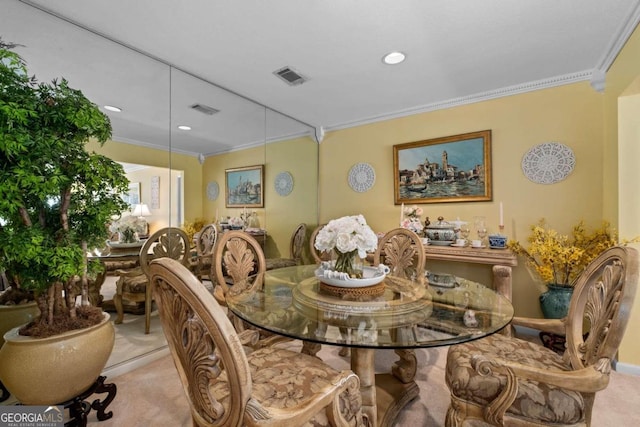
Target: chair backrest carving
{"points": [[297, 242], [171, 242], [206, 240], [207, 351], [402, 251], [601, 304], [241, 257]]}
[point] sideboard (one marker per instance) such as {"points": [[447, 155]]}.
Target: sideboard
{"points": [[501, 260]]}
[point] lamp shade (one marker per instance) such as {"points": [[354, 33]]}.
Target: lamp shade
{"points": [[141, 210]]}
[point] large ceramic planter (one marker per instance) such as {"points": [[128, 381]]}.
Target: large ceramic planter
{"points": [[555, 301], [48, 371], [16, 315]]}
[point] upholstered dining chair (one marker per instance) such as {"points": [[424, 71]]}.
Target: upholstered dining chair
{"points": [[226, 387], [509, 381], [296, 246], [133, 285], [201, 265]]}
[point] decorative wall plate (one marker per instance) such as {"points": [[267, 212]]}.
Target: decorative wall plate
{"points": [[362, 176], [548, 163], [283, 183], [213, 190]]}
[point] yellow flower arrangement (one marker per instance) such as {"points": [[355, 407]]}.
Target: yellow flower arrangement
{"points": [[559, 259]]}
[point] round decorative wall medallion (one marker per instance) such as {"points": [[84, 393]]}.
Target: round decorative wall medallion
{"points": [[362, 176], [283, 183], [548, 163], [213, 190]]}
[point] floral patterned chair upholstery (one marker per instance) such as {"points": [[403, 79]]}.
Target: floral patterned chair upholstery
{"points": [[226, 387], [295, 250], [508, 381], [133, 284]]}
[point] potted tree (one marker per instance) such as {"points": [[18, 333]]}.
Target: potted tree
{"points": [[55, 200]]}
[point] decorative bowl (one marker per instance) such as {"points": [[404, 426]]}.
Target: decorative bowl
{"points": [[497, 241], [370, 276]]}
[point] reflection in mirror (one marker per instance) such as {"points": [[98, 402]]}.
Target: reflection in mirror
{"points": [[156, 98]]}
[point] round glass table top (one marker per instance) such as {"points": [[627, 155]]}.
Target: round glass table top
{"points": [[403, 314]]}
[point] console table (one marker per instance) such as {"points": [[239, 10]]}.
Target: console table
{"points": [[501, 261]]}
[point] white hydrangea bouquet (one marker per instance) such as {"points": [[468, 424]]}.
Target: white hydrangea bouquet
{"points": [[348, 237]]}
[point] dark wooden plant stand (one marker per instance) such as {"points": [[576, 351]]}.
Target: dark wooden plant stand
{"points": [[79, 407]]}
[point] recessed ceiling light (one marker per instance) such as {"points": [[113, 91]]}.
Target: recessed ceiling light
{"points": [[112, 108], [393, 58], [183, 127]]}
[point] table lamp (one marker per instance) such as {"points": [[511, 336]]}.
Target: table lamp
{"points": [[141, 210]]}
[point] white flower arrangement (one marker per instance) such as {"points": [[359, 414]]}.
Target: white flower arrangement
{"points": [[347, 234], [412, 224]]}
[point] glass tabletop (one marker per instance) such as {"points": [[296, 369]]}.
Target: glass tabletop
{"points": [[398, 313]]}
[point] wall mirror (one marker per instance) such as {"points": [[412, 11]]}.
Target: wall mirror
{"points": [[146, 137]]}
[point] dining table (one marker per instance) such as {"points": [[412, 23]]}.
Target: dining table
{"points": [[434, 310]]}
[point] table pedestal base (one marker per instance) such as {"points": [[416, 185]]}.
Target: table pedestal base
{"points": [[391, 397]]}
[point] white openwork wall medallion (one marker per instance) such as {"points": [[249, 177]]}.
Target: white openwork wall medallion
{"points": [[213, 189], [548, 163], [362, 176], [284, 183]]}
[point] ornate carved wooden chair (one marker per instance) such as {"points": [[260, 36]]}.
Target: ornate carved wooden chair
{"points": [[318, 256], [402, 251], [508, 381], [201, 265], [295, 250], [225, 387], [238, 263], [133, 284]]}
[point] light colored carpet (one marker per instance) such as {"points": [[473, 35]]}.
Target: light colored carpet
{"points": [[153, 395]]}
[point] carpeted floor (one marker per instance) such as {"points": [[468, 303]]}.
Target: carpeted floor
{"points": [[152, 395]]}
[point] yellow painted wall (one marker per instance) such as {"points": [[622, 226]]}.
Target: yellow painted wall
{"points": [[570, 114], [298, 157], [620, 164]]}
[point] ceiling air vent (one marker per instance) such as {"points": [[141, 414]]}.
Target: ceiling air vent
{"points": [[205, 109], [290, 76]]}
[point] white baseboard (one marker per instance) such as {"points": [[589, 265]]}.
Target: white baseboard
{"points": [[626, 368], [135, 363]]}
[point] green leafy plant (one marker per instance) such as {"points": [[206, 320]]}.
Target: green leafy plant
{"points": [[559, 258], [55, 196]]}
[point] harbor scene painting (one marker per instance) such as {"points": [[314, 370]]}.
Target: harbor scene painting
{"points": [[449, 169], [244, 187]]}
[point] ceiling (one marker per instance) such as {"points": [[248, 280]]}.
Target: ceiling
{"points": [[457, 52]]}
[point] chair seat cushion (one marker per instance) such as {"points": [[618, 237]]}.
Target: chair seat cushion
{"points": [[273, 263], [135, 284], [283, 379], [534, 400]]}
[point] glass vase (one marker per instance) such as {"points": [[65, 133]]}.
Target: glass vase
{"points": [[348, 262]]}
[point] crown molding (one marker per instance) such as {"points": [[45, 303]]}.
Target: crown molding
{"points": [[472, 99]]}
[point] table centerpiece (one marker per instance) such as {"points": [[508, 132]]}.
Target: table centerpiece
{"points": [[350, 238]]}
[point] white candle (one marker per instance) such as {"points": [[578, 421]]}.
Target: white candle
{"points": [[501, 216], [217, 216], [401, 214]]}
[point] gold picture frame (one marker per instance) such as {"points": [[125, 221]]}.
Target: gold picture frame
{"points": [[453, 168], [244, 187]]}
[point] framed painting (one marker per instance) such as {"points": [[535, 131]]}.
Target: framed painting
{"points": [[244, 187], [453, 168], [132, 197]]}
